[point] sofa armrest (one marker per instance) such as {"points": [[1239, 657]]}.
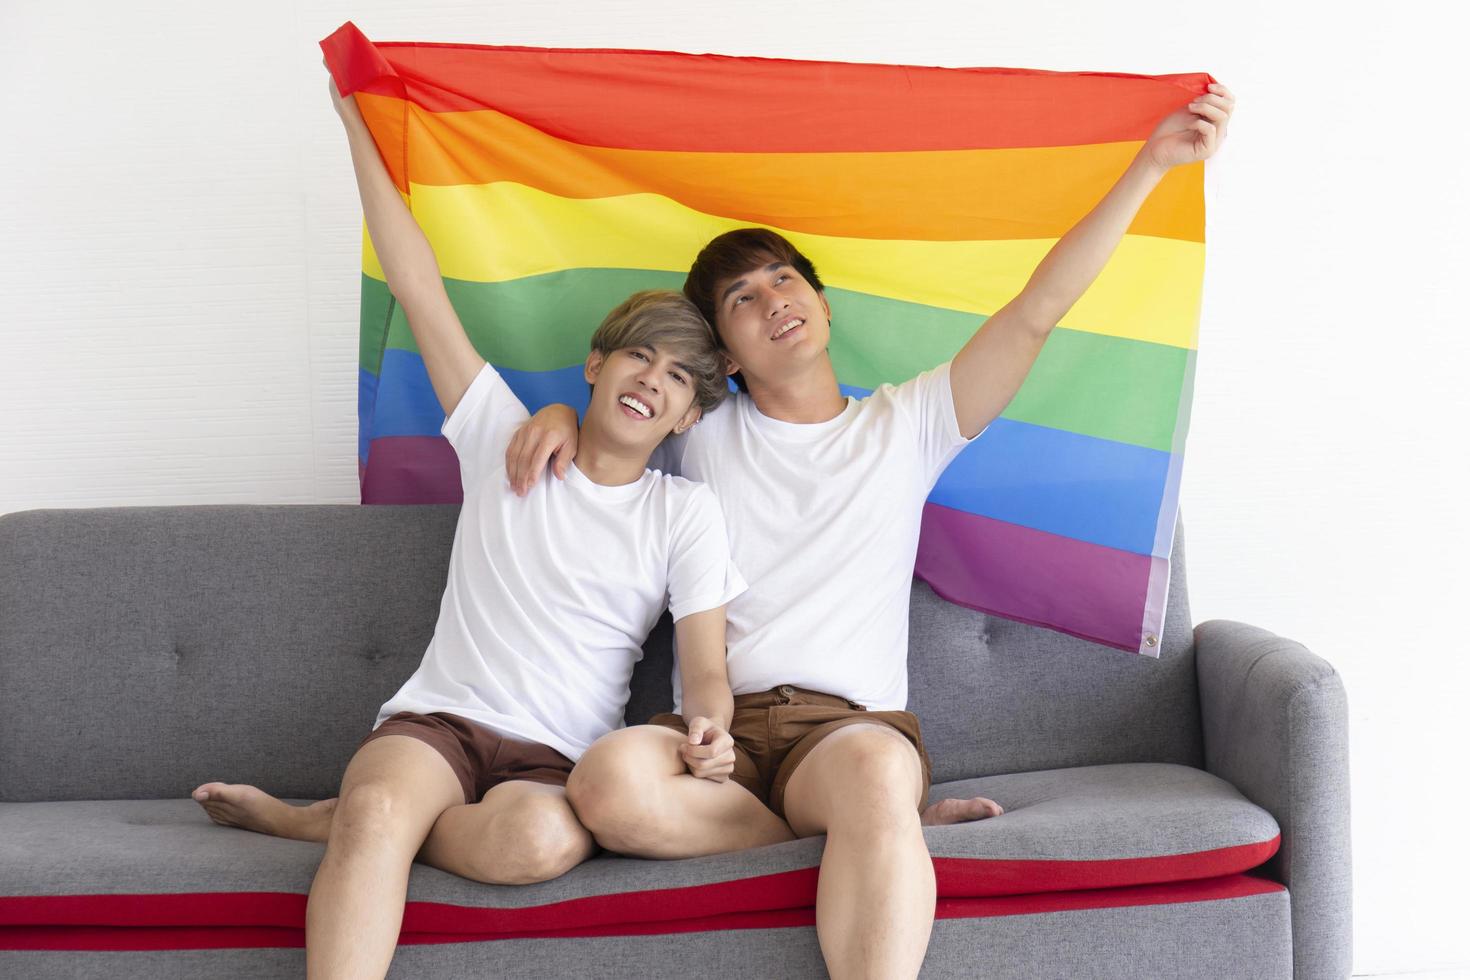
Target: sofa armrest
{"points": [[1275, 727]]}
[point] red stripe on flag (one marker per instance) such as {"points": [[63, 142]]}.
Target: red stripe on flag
{"points": [[661, 100]]}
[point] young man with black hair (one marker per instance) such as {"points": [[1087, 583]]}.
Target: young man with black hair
{"points": [[823, 494]]}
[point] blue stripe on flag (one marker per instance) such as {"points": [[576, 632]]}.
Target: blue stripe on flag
{"points": [[1077, 486], [407, 405], [367, 390], [1081, 487]]}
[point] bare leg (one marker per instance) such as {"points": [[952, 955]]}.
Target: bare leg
{"points": [[875, 898], [519, 833], [633, 792], [394, 790], [250, 808]]}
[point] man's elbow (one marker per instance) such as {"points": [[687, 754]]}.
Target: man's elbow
{"points": [[1038, 314], [711, 689], [413, 287], [713, 681]]}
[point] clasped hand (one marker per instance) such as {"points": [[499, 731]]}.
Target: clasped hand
{"points": [[709, 751]]}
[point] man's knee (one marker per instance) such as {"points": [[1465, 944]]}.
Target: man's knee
{"points": [[863, 773], [370, 811], [550, 852], [880, 756], [614, 789], [539, 839]]}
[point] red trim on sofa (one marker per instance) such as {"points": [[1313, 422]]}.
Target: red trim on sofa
{"points": [[1165, 893], [980, 878], [626, 913], [117, 938], [124, 938]]}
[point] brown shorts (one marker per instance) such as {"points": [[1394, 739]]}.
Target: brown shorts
{"points": [[480, 758], [774, 730]]}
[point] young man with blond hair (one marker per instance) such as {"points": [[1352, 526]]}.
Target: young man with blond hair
{"points": [[549, 599]]}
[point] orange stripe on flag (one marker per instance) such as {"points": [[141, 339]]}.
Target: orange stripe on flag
{"points": [[937, 195]]}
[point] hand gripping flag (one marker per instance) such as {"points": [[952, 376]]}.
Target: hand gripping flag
{"points": [[553, 183]]}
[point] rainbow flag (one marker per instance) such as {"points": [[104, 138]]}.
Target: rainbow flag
{"points": [[552, 183]]}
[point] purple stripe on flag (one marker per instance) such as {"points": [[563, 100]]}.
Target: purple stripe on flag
{"points": [[411, 470], [1087, 590]]}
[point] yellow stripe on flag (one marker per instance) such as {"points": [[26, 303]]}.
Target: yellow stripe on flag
{"points": [[1149, 290]]}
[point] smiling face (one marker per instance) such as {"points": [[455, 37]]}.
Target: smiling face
{"points": [[750, 283], [772, 322], [640, 395], [654, 368]]}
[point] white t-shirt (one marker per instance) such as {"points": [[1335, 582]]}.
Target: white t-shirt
{"points": [[550, 596], [824, 524]]}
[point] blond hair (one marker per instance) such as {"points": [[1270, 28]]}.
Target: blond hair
{"points": [[666, 321]]}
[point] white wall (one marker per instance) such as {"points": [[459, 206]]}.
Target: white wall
{"points": [[178, 271]]}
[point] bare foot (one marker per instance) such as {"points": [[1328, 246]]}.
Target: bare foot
{"points": [[959, 811], [239, 805]]}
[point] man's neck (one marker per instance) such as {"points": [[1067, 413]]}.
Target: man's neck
{"points": [[605, 464], [806, 398]]}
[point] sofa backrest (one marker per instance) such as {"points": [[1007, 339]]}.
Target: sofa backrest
{"points": [[146, 650]]}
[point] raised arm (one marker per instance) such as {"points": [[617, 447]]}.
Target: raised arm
{"points": [[409, 264], [988, 371]]}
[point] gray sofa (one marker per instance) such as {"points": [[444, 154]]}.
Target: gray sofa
{"points": [[1185, 816]]}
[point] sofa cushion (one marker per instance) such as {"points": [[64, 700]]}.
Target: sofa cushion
{"points": [[1099, 827], [162, 863]]}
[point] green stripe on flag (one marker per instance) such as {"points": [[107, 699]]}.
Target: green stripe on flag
{"points": [[1089, 383]]}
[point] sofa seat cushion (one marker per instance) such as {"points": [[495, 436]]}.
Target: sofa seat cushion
{"points": [[161, 863], [1098, 827]]}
